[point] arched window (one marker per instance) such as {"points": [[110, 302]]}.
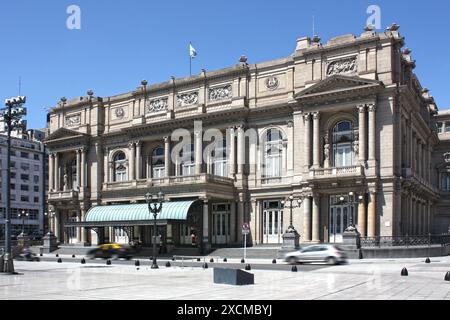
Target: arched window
{"points": [[187, 160], [343, 140], [158, 163], [273, 153], [120, 169], [219, 155]]}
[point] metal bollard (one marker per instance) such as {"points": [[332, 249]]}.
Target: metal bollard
{"points": [[211, 260], [294, 269], [73, 256], [2, 261], [168, 264], [447, 276], [198, 260], [428, 260], [83, 261], [248, 267], [108, 262], [59, 260], [242, 260], [274, 261], [225, 260], [205, 266], [137, 263], [404, 272]]}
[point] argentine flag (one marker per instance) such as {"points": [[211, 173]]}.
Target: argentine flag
{"points": [[192, 51]]}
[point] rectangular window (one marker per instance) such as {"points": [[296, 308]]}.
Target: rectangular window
{"points": [[24, 187], [13, 186], [439, 127], [36, 179], [13, 175], [445, 181], [447, 127], [12, 165], [36, 157], [25, 155], [24, 198], [36, 199], [25, 166], [36, 188], [25, 177], [36, 167]]}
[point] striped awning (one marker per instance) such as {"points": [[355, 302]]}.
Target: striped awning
{"points": [[177, 210]]}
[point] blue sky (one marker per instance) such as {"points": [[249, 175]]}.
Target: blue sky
{"points": [[122, 42]]}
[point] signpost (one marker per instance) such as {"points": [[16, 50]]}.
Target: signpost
{"points": [[245, 232]]}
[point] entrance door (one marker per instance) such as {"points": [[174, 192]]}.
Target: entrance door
{"points": [[72, 231], [273, 222], [220, 223], [339, 219], [185, 234]]}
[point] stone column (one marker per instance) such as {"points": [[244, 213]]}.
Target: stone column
{"points": [[362, 218], [240, 150], [307, 219], [131, 168], [78, 229], [362, 133], [316, 218], [138, 160], [371, 215], [240, 219], [57, 171], [307, 118], [84, 231], [83, 169], [205, 233], [233, 221], [57, 225], [420, 158], [198, 152], [51, 174], [106, 176], [232, 159], [167, 162], [372, 132], [78, 152], [316, 140]]}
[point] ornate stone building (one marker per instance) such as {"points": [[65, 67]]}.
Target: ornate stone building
{"points": [[344, 127]]}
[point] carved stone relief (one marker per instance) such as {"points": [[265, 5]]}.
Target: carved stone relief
{"points": [[341, 67], [220, 93]]}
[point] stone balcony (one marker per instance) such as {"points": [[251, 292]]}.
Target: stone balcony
{"points": [[169, 182], [336, 173], [67, 195]]}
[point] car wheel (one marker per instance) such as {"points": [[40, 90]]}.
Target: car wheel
{"points": [[331, 260], [292, 260]]}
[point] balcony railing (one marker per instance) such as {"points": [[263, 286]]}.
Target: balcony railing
{"points": [[324, 173], [169, 181], [405, 241], [63, 195]]}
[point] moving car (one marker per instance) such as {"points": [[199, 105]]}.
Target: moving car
{"points": [[329, 253], [111, 251]]}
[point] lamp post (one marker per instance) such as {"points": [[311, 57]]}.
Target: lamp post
{"points": [[49, 216], [290, 199], [155, 203], [12, 118], [23, 215], [353, 199]]}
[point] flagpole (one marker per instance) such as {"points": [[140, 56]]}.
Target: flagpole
{"points": [[190, 66]]}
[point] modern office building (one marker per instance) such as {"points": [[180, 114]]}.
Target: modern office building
{"points": [[29, 182], [344, 127]]}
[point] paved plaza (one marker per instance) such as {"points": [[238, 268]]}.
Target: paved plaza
{"points": [[364, 279]]}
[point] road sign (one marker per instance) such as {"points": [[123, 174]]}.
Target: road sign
{"points": [[245, 229]]}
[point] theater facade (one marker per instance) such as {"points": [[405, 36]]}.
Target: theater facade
{"points": [[335, 134]]}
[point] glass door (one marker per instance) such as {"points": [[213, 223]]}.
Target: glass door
{"points": [[272, 222], [339, 219], [220, 223]]}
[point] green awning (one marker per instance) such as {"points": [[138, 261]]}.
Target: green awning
{"points": [[176, 210]]}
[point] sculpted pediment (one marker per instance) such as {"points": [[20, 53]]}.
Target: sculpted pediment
{"points": [[338, 84], [64, 133]]}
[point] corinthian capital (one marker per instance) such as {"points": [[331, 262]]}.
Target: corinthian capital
{"points": [[307, 116], [372, 107], [361, 108], [316, 115]]}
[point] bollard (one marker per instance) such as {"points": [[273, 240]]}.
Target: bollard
{"points": [[137, 263], [294, 269], [73, 256], [404, 272], [168, 264], [225, 260], [173, 259], [205, 266], [211, 260], [57, 255], [59, 260], [242, 260], [41, 255], [427, 260], [274, 261], [108, 262], [447, 276], [248, 267], [198, 259], [83, 261]]}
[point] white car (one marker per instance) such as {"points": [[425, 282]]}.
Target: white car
{"points": [[329, 253]]}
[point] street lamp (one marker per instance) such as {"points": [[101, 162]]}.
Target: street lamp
{"points": [[353, 199], [155, 203], [23, 215], [12, 119], [49, 216], [290, 199]]}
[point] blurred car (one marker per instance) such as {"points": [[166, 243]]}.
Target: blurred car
{"points": [[27, 255], [111, 251], [329, 253]]}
